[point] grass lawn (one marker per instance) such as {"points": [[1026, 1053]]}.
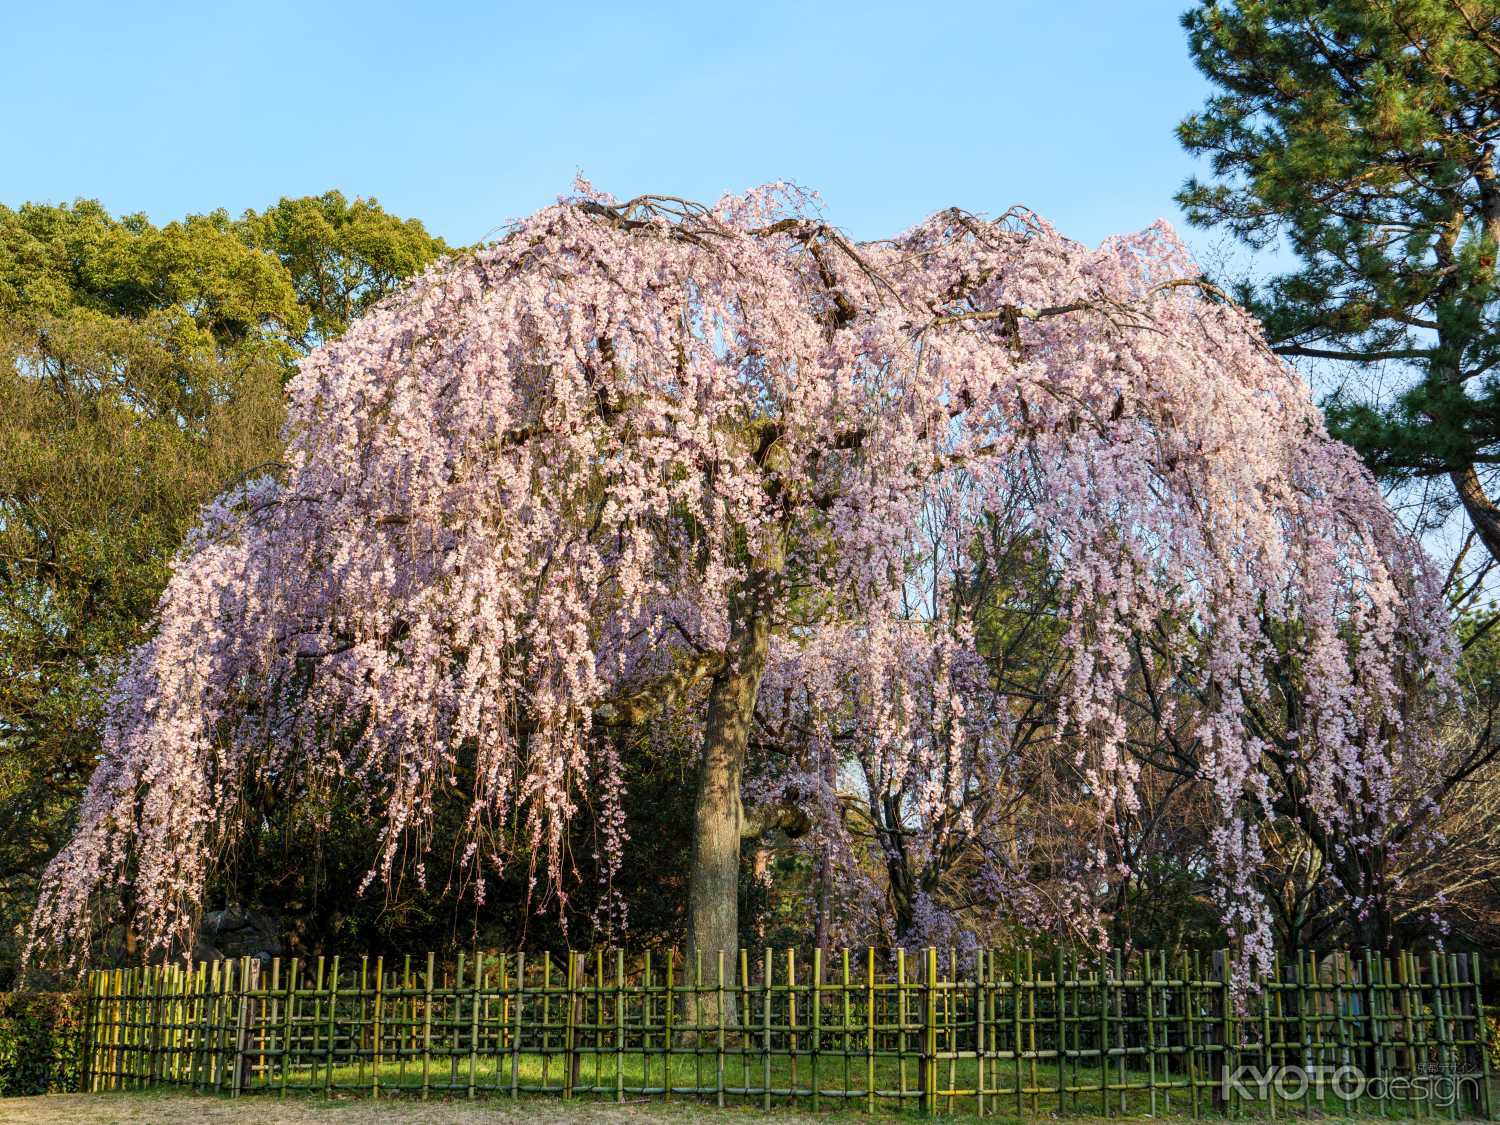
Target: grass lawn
{"points": [[174, 1108], [696, 1081]]}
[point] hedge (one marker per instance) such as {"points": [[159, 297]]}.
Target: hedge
{"points": [[41, 1042]]}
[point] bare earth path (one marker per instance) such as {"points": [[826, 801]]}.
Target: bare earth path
{"points": [[182, 1109]]}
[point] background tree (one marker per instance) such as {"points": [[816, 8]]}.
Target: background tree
{"points": [[1361, 135], [141, 373], [342, 257]]}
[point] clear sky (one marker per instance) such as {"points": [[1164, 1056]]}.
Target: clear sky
{"points": [[468, 114]]}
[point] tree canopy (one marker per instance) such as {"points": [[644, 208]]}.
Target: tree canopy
{"points": [[1362, 136], [651, 458], [143, 372]]}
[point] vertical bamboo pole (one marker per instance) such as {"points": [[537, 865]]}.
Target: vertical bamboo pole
{"points": [[405, 1031], [667, 1016], [216, 1016], [791, 1017], [720, 1031], [1446, 1066], [980, 1028], [1189, 1001], [1060, 1018], [1486, 1107], [427, 1026], [870, 1023], [1371, 967], [289, 1023], [929, 1034], [844, 963], [1031, 1021], [570, 1060], [518, 986], [1148, 975], [331, 1028], [474, 1001], [767, 973], [1117, 995], [1103, 1021], [817, 1018], [1230, 1057], [620, 1027], [648, 1005], [378, 1042], [1342, 1016], [903, 1019]]}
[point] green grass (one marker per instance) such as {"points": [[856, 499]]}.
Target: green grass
{"points": [[744, 1076]]}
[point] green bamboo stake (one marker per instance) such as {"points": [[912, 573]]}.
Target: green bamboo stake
{"points": [[1440, 1024], [329, 1036], [1371, 1000], [1230, 1057], [666, 1020], [1149, 974], [1408, 1030], [570, 1059], [817, 1021], [1485, 1108], [1103, 1021], [1188, 1004], [1060, 1018], [844, 959], [474, 1002], [427, 1027], [765, 1013], [289, 1023], [903, 1017], [929, 1035], [744, 1013], [620, 1027], [361, 1022], [317, 1046], [980, 1028], [377, 1045], [216, 1017], [405, 1032], [791, 1018], [1486, 1098], [518, 1000], [1342, 1017]]}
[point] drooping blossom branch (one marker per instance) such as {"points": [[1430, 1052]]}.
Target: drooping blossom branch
{"points": [[633, 448]]}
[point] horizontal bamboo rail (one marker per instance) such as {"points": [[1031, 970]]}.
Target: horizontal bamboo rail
{"points": [[946, 1031]]}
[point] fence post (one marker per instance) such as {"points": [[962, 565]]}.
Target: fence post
{"points": [[928, 1099], [1486, 1105], [249, 977], [569, 1056]]}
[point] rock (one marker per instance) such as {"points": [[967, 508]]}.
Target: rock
{"points": [[238, 932]]}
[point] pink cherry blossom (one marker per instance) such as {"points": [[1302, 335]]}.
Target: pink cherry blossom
{"points": [[538, 479]]}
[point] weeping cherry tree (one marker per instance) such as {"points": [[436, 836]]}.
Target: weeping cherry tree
{"points": [[650, 454]]}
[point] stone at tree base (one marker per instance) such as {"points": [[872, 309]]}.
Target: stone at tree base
{"points": [[237, 931]]}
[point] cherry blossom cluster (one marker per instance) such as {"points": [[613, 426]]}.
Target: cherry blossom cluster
{"points": [[532, 486]]}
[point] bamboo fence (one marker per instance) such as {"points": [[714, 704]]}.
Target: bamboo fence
{"points": [[943, 1031]]}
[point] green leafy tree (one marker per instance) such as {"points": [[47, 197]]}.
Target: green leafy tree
{"points": [[1361, 133], [141, 371], [342, 256]]}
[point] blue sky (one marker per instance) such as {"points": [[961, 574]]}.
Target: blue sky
{"points": [[467, 114]]}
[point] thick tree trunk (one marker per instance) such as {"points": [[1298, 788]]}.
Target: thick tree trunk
{"points": [[719, 816], [1480, 509]]}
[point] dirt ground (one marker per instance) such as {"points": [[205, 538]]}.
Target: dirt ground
{"points": [[180, 1109]]}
